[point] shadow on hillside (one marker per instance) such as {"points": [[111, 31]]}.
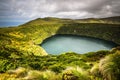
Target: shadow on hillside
{"points": [[108, 33]]}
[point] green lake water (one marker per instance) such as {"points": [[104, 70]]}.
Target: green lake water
{"points": [[71, 43]]}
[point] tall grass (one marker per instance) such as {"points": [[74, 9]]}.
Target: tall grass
{"points": [[75, 73], [110, 67]]}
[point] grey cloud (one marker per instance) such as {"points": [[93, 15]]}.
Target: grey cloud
{"points": [[59, 8]]}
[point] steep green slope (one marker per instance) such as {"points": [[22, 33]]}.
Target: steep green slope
{"points": [[24, 39]]}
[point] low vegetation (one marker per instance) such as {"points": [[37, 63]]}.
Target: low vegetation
{"points": [[66, 66], [22, 57]]}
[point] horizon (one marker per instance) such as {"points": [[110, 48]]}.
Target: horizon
{"points": [[15, 24], [19, 11]]}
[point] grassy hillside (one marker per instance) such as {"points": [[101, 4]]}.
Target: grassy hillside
{"points": [[21, 57], [24, 39]]}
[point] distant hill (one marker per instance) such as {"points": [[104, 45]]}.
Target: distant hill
{"points": [[53, 20], [109, 20]]}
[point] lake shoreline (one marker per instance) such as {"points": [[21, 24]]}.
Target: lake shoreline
{"points": [[103, 42]]}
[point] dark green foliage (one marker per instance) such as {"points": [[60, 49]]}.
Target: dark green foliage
{"points": [[56, 63], [96, 56], [57, 68], [69, 77], [103, 31], [5, 65]]}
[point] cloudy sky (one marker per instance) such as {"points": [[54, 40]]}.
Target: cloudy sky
{"points": [[25, 10]]}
